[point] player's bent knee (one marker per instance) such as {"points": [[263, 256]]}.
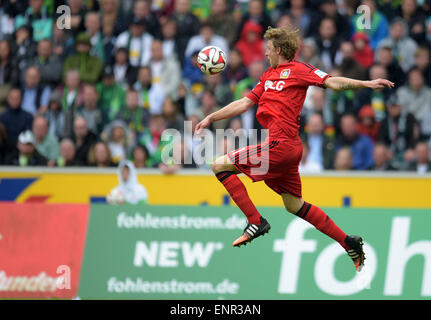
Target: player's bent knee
{"points": [[221, 165], [291, 203]]}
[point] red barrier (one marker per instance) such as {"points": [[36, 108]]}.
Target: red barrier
{"points": [[41, 249]]}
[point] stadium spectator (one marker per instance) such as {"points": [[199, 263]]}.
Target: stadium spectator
{"points": [[90, 67], [137, 41], [150, 97], [23, 49], [317, 101], [255, 70], [191, 74], [25, 154], [415, 96], [378, 27], [398, 132], [124, 73], [35, 96], [8, 70], [172, 115], [310, 53], [83, 140], [320, 145], [166, 72], [251, 44], [151, 139], [329, 8], [91, 111], [188, 25], [422, 162], [142, 10], [348, 63], [77, 16], [338, 103], [375, 98], [9, 75], [113, 22], [181, 159], [170, 40], [136, 117], [71, 97], [382, 157], [129, 190], [327, 42], [256, 12], [49, 65], [63, 44], [112, 95], [3, 143], [119, 140], [385, 58], [343, 159], [38, 17], [367, 124], [15, 119], [403, 47], [140, 156], [363, 52], [99, 155], [235, 70], [361, 145], [422, 61], [223, 21], [415, 19], [101, 46], [208, 106], [6, 21], [67, 154], [221, 89], [206, 37], [46, 144], [307, 165]]}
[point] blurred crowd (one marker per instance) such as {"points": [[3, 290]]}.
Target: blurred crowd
{"points": [[95, 82]]}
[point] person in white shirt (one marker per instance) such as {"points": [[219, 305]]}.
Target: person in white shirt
{"points": [[129, 190], [166, 72], [306, 165], [137, 41], [205, 38]]}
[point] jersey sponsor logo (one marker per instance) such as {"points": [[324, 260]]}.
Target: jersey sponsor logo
{"points": [[274, 85], [320, 73], [285, 73]]}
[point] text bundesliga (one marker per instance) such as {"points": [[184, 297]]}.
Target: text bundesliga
{"points": [[217, 309]]}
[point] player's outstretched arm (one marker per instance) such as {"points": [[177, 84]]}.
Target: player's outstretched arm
{"points": [[342, 83], [233, 109]]}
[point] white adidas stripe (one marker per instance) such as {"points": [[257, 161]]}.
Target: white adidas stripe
{"points": [[250, 232]]}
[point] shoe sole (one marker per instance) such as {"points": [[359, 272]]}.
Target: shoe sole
{"points": [[244, 243]]}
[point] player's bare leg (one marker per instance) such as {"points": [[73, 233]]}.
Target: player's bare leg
{"points": [[226, 173], [315, 216]]}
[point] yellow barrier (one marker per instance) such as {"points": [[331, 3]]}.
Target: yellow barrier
{"points": [[364, 190]]}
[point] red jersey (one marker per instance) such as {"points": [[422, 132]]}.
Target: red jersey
{"points": [[281, 92]]}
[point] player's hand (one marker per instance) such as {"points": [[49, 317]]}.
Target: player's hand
{"points": [[380, 84], [205, 123]]}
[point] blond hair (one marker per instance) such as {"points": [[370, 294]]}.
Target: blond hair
{"points": [[287, 39]]}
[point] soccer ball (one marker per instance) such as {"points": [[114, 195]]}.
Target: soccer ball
{"points": [[211, 60], [115, 197]]}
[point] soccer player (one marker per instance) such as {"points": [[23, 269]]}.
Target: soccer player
{"points": [[280, 95]]}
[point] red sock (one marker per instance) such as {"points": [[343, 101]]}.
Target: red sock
{"points": [[322, 222], [239, 195]]}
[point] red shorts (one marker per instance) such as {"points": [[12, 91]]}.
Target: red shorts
{"points": [[274, 161]]}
